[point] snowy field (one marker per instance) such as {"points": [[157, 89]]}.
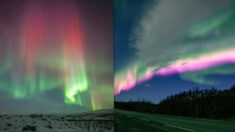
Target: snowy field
{"points": [[98, 121]]}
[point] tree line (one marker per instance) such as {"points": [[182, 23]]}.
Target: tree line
{"points": [[207, 103]]}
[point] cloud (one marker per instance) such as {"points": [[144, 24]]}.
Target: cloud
{"points": [[177, 37], [147, 85], [163, 33], [203, 76]]}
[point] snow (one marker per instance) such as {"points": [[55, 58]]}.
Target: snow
{"points": [[98, 121]]}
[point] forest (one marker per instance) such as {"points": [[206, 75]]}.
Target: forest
{"points": [[207, 103]]}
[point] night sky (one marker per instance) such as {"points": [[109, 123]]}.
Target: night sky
{"points": [[56, 56], [166, 47]]}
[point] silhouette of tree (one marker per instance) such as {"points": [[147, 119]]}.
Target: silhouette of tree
{"points": [[207, 103]]}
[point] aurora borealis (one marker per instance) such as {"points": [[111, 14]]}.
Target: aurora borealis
{"points": [[129, 80], [55, 56], [185, 40], [74, 56]]}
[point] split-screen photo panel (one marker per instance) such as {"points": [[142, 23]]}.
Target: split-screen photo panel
{"points": [[117, 65]]}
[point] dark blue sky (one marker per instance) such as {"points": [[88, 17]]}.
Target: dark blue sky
{"points": [[160, 87], [127, 13]]}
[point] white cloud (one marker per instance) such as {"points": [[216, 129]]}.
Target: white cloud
{"points": [[158, 35], [147, 85]]}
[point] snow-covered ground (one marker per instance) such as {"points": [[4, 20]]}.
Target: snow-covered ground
{"points": [[98, 121]]}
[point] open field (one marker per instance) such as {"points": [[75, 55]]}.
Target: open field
{"points": [[98, 121], [127, 121]]}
